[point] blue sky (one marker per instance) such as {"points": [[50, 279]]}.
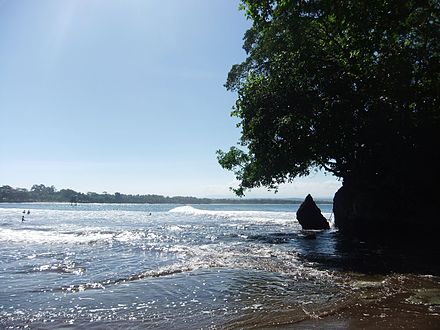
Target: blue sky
{"points": [[128, 96]]}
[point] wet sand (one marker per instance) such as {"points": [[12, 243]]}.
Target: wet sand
{"points": [[381, 302], [394, 313]]}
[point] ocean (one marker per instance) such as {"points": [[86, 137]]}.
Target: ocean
{"points": [[202, 267]]}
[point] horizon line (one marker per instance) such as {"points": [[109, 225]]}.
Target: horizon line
{"points": [[212, 197]]}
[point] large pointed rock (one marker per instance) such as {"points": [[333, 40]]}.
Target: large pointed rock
{"points": [[309, 215]]}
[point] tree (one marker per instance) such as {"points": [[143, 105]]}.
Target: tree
{"points": [[7, 193], [351, 87], [41, 192], [67, 195]]}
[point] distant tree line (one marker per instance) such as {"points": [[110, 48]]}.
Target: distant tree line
{"points": [[42, 193]]}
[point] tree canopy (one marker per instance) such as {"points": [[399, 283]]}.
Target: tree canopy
{"points": [[42, 193], [351, 87]]}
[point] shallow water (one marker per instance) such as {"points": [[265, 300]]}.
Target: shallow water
{"points": [[200, 266]]}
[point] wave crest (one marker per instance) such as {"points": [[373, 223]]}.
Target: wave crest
{"points": [[286, 218], [52, 237]]}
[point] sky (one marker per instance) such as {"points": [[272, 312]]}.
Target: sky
{"points": [[123, 96]]}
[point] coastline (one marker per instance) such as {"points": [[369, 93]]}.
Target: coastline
{"points": [[419, 309], [43, 194], [395, 301]]}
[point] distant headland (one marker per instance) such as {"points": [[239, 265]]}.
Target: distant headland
{"points": [[42, 193]]}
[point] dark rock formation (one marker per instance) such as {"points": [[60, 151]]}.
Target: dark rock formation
{"points": [[377, 211], [309, 215], [354, 210]]}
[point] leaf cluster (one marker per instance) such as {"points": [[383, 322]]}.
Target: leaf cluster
{"points": [[348, 86]]}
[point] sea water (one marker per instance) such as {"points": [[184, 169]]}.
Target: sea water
{"points": [[178, 266]]}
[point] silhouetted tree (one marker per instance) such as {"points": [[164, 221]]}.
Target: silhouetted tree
{"points": [[351, 87]]}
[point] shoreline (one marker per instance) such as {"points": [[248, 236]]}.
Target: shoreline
{"points": [[396, 301]]}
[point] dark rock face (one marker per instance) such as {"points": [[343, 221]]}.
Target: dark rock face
{"points": [[355, 210], [380, 212], [309, 215], [368, 210]]}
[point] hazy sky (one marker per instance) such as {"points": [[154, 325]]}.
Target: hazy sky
{"points": [[128, 96]]}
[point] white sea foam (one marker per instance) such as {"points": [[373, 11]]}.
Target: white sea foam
{"points": [[235, 256], [69, 267], [175, 228], [283, 218], [259, 217], [53, 237], [15, 214], [40, 236], [240, 255], [128, 236], [71, 226]]}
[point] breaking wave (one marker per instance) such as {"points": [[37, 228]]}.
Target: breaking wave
{"points": [[54, 237], [283, 218], [237, 256], [256, 216]]}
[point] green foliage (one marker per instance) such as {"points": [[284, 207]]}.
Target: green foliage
{"points": [[41, 193], [348, 86], [9, 193]]}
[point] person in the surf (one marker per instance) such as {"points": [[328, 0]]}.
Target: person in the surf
{"points": [[22, 218], [29, 212]]}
